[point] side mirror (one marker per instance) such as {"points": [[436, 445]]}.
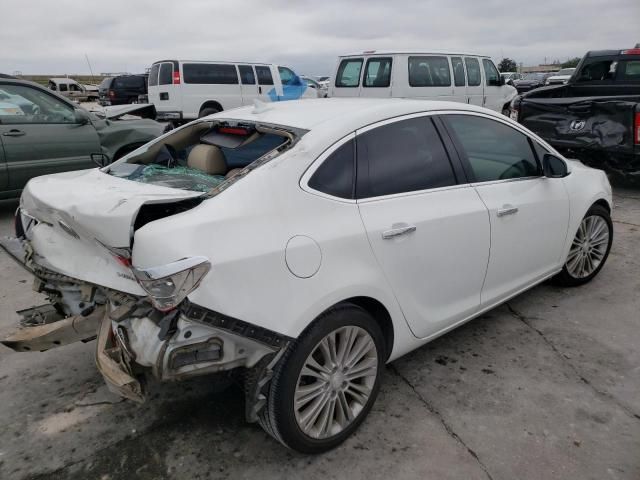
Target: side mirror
{"points": [[100, 159], [81, 116], [553, 167]]}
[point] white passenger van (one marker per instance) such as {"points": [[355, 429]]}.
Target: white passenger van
{"points": [[183, 90], [458, 77]]}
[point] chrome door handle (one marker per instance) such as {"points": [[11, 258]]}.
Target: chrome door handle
{"points": [[507, 210], [397, 231], [13, 133]]}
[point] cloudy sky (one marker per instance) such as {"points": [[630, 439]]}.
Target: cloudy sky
{"points": [[52, 37]]}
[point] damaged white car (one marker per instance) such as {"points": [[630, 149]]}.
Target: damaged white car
{"points": [[300, 246]]}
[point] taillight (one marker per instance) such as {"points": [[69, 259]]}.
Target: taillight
{"points": [[631, 51], [112, 94], [176, 77], [636, 129]]}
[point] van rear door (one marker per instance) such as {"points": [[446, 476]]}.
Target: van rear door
{"points": [[346, 81], [376, 80], [164, 89]]}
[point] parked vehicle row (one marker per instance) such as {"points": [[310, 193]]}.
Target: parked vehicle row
{"points": [[595, 115]]}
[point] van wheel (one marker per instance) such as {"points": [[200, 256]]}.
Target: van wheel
{"points": [[326, 382], [506, 111], [208, 111]]}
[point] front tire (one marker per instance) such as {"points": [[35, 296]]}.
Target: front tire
{"points": [[326, 382], [590, 248], [208, 111]]}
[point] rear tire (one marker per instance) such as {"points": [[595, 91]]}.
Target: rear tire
{"points": [[208, 111], [589, 250], [326, 382]]}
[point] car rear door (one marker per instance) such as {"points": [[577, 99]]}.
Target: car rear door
{"points": [[46, 139], [475, 88], [427, 226], [529, 213]]}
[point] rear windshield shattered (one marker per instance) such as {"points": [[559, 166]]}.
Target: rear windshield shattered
{"points": [[202, 156]]}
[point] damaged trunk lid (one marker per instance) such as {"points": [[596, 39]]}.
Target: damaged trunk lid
{"points": [[75, 221]]}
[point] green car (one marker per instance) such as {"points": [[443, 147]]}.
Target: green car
{"points": [[42, 132]]}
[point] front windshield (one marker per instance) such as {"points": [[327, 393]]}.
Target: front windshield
{"points": [[200, 156]]}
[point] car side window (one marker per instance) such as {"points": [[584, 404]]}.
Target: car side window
{"points": [[336, 175], [287, 77], [473, 71], [264, 75], [246, 75], [62, 87], [495, 151], [153, 75], [458, 71], [402, 156], [166, 71], [349, 73], [491, 73], [429, 72], [377, 73], [598, 71], [20, 104]]}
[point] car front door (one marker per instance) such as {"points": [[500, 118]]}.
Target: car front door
{"points": [[45, 138], [475, 89], [427, 227], [529, 213]]}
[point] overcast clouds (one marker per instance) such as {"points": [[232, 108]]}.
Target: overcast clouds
{"points": [[52, 37]]}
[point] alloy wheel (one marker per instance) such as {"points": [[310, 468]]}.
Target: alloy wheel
{"points": [[589, 247], [336, 382]]}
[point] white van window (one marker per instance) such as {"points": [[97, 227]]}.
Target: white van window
{"points": [[458, 71], [209, 73], [246, 75], [153, 75], [62, 87], [473, 71], [264, 75], [429, 72], [287, 77], [166, 71], [377, 73], [491, 73], [349, 73]]}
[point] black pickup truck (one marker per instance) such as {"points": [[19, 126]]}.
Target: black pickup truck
{"points": [[595, 116]]}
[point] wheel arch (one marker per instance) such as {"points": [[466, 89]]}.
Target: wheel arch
{"points": [[210, 104], [603, 203]]}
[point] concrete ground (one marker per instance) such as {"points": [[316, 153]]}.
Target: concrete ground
{"points": [[545, 387]]}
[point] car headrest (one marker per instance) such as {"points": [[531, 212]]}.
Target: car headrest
{"points": [[208, 159]]}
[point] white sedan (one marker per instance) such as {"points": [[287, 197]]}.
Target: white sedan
{"points": [[302, 245]]}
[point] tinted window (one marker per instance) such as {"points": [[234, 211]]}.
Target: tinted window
{"points": [[490, 72], [264, 75], [429, 72], [62, 87], [153, 75], [336, 174], [377, 73], [246, 75], [349, 73], [129, 82], [495, 151], [209, 73], [166, 71], [630, 71], [400, 157], [473, 71], [458, 71]]}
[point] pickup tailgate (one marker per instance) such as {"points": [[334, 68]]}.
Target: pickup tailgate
{"points": [[595, 123]]}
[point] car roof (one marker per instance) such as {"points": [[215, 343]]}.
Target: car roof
{"points": [[62, 80], [412, 51], [347, 114]]}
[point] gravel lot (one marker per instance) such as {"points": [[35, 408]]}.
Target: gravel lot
{"points": [[545, 387]]}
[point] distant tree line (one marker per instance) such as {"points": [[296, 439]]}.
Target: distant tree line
{"points": [[510, 65]]}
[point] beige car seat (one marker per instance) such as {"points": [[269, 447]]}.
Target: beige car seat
{"points": [[208, 159]]}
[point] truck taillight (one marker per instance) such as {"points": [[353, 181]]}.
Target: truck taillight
{"points": [[176, 77], [112, 94], [631, 51], [636, 129]]}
